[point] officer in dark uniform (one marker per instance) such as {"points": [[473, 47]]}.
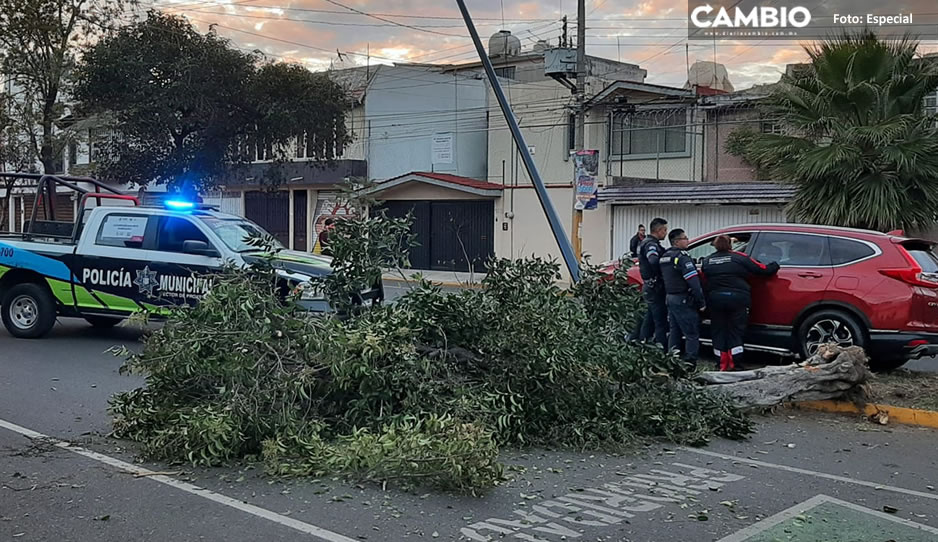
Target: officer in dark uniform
{"points": [[685, 296], [655, 323], [729, 294]]}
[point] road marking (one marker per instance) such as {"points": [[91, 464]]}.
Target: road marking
{"points": [[798, 509], [816, 474], [318, 532]]}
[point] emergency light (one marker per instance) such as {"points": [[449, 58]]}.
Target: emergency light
{"points": [[179, 205]]}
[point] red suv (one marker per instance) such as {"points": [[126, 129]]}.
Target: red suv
{"points": [[852, 287]]}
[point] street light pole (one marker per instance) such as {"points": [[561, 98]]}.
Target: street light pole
{"points": [[569, 258]]}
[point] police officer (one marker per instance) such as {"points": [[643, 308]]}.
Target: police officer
{"points": [[655, 323], [637, 240], [685, 296], [728, 292]]}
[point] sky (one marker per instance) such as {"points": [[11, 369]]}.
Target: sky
{"points": [[341, 33]]}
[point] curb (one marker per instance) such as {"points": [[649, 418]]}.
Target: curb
{"points": [[901, 415]]}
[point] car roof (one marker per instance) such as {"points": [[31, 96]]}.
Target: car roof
{"points": [[856, 233], [808, 228], [163, 211]]}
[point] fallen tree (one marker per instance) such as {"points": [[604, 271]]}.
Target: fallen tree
{"points": [[832, 373], [425, 390]]}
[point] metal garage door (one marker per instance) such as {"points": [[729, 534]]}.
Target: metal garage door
{"points": [[271, 211], [450, 235], [695, 219]]}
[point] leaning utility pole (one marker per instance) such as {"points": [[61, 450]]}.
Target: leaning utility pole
{"points": [[553, 219], [580, 133]]}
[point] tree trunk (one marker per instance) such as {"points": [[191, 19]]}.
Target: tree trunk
{"points": [[47, 151], [832, 373]]}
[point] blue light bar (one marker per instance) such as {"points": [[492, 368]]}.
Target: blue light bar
{"points": [[179, 205]]}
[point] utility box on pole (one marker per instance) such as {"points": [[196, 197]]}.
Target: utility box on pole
{"points": [[560, 61]]}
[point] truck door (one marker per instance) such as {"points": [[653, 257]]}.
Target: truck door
{"points": [[184, 258], [109, 264]]}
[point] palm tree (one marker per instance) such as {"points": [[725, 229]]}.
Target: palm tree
{"points": [[860, 148]]}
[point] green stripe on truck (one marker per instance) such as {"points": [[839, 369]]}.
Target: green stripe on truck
{"points": [[118, 303], [85, 300], [62, 291]]}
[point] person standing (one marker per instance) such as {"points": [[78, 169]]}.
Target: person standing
{"points": [[655, 323], [729, 296], [637, 240], [685, 296], [324, 247]]}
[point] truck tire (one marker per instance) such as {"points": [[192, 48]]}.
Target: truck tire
{"points": [[103, 322], [28, 310]]}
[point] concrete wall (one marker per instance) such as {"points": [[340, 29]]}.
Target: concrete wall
{"points": [[722, 166], [529, 232], [406, 106]]}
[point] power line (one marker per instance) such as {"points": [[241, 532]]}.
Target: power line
{"points": [[385, 19], [394, 15]]}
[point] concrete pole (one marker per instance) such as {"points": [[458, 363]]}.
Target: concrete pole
{"points": [[580, 132], [552, 217]]}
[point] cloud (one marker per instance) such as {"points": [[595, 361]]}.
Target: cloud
{"points": [[648, 32]]}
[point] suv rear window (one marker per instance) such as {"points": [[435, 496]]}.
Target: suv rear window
{"points": [[924, 256], [844, 251]]}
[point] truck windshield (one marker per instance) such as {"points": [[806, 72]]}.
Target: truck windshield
{"points": [[235, 233]]}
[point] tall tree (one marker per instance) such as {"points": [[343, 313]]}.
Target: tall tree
{"points": [[39, 42], [187, 106], [859, 146]]}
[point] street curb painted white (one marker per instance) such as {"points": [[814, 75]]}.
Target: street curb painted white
{"points": [[318, 532], [784, 515], [845, 479]]}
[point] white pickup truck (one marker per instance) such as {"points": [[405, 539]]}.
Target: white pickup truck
{"points": [[120, 260]]}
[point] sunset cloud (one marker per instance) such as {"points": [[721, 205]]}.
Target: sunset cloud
{"points": [[647, 32]]}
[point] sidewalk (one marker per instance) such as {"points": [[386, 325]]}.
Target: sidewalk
{"points": [[444, 278]]}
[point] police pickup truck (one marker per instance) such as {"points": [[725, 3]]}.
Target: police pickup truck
{"points": [[121, 260]]}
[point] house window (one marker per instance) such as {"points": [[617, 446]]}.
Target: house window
{"points": [[931, 104], [506, 72], [772, 127], [95, 144], [649, 132]]}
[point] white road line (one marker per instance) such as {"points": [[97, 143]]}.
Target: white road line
{"points": [[772, 521], [816, 474], [784, 515], [318, 532]]}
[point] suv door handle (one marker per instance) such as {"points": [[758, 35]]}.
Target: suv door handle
{"points": [[810, 275]]}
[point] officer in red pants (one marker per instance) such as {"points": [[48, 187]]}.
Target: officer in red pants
{"points": [[728, 295]]}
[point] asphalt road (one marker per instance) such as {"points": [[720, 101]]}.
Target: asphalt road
{"points": [[800, 474]]}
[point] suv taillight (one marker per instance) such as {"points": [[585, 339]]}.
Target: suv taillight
{"points": [[913, 274]]}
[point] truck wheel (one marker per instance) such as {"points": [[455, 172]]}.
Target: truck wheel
{"points": [[28, 311], [103, 322]]}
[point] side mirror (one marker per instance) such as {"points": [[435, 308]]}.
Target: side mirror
{"points": [[199, 248]]}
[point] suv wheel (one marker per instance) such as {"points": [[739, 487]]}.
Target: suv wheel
{"points": [[829, 326], [28, 311]]}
